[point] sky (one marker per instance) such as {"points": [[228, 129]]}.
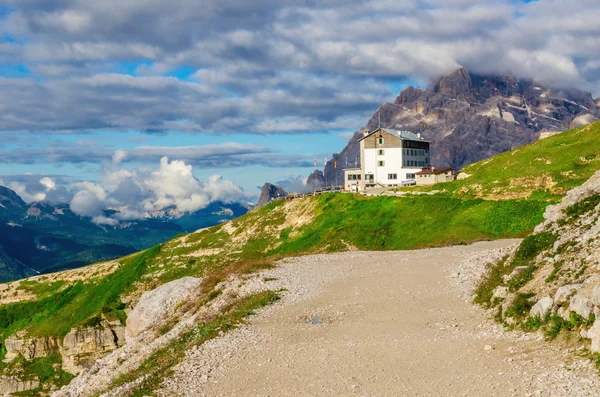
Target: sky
{"points": [[96, 96]]}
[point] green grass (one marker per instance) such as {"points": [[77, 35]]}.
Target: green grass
{"points": [[77, 304], [160, 364], [572, 156], [392, 223]]}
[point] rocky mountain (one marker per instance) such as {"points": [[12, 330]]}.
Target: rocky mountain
{"points": [[10, 199], [268, 193], [316, 179], [469, 117], [42, 237]]}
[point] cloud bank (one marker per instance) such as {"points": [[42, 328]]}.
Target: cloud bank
{"points": [[169, 190], [267, 66]]}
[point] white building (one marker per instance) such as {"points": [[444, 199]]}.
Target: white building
{"points": [[388, 157]]}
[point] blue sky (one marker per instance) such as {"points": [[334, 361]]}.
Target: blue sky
{"points": [[250, 91]]}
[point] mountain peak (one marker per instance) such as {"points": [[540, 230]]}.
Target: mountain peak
{"points": [[456, 83], [9, 198]]}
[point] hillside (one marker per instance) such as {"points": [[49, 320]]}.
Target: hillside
{"points": [[48, 321], [43, 237], [470, 117]]}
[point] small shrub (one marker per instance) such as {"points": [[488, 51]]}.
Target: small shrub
{"points": [[522, 278], [520, 306]]}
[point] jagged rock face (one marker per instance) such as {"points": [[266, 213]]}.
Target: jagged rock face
{"points": [[158, 305], [469, 117], [316, 179], [82, 347], [8, 198], [268, 193]]}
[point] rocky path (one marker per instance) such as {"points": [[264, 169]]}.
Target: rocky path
{"points": [[381, 324]]}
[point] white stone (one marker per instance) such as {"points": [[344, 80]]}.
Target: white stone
{"points": [[500, 292], [157, 305], [581, 305], [542, 307], [563, 293], [596, 295], [594, 334]]}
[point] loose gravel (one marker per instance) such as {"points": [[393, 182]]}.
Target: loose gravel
{"points": [[387, 324]]}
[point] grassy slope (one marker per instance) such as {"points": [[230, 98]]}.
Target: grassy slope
{"points": [[336, 221], [561, 162]]}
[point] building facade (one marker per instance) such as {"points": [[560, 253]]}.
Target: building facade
{"points": [[388, 157], [432, 175]]}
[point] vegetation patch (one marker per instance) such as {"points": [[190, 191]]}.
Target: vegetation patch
{"points": [[582, 207]]}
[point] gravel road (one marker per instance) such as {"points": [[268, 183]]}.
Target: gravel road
{"points": [[381, 324]]}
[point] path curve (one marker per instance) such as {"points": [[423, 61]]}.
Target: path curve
{"points": [[380, 324]]}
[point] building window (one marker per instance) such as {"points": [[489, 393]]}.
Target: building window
{"points": [[410, 176], [380, 141], [381, 163], [381, 152], [392, 176]]}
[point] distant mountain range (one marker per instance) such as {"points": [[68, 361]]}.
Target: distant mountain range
{"points": [[470, 117], [40, 237]]}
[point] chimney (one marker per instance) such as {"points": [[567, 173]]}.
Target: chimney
{"points": [[419, 135]]}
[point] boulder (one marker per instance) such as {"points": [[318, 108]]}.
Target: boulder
{"points": [[581, 305], [500, 292], [563, 293], [542, 307], [157, 305], [594, 334], [516, 271]]}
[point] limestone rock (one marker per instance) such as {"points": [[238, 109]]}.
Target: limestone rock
{"points": [[563, 293], [594, 334], [596, 295], [581, 305], [500, 292], [268, 193], [542, 307], [155, 306], [12, 384], [29, 348], [82, 347]]}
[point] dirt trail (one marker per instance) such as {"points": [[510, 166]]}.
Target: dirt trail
{"points": [[381, 324]]}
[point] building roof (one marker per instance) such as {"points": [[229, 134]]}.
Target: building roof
{"points": [[434, 170], [404, 135]]}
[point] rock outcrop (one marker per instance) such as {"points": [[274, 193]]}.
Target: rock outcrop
{"points": [[316, 179], [470, 117], [82, 347], [268, 193], [565, 267], [157, 305], [12, 384], [29, 347]]}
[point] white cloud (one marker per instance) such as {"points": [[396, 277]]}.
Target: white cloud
{"points": [[48, 183], [138, 192]]}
